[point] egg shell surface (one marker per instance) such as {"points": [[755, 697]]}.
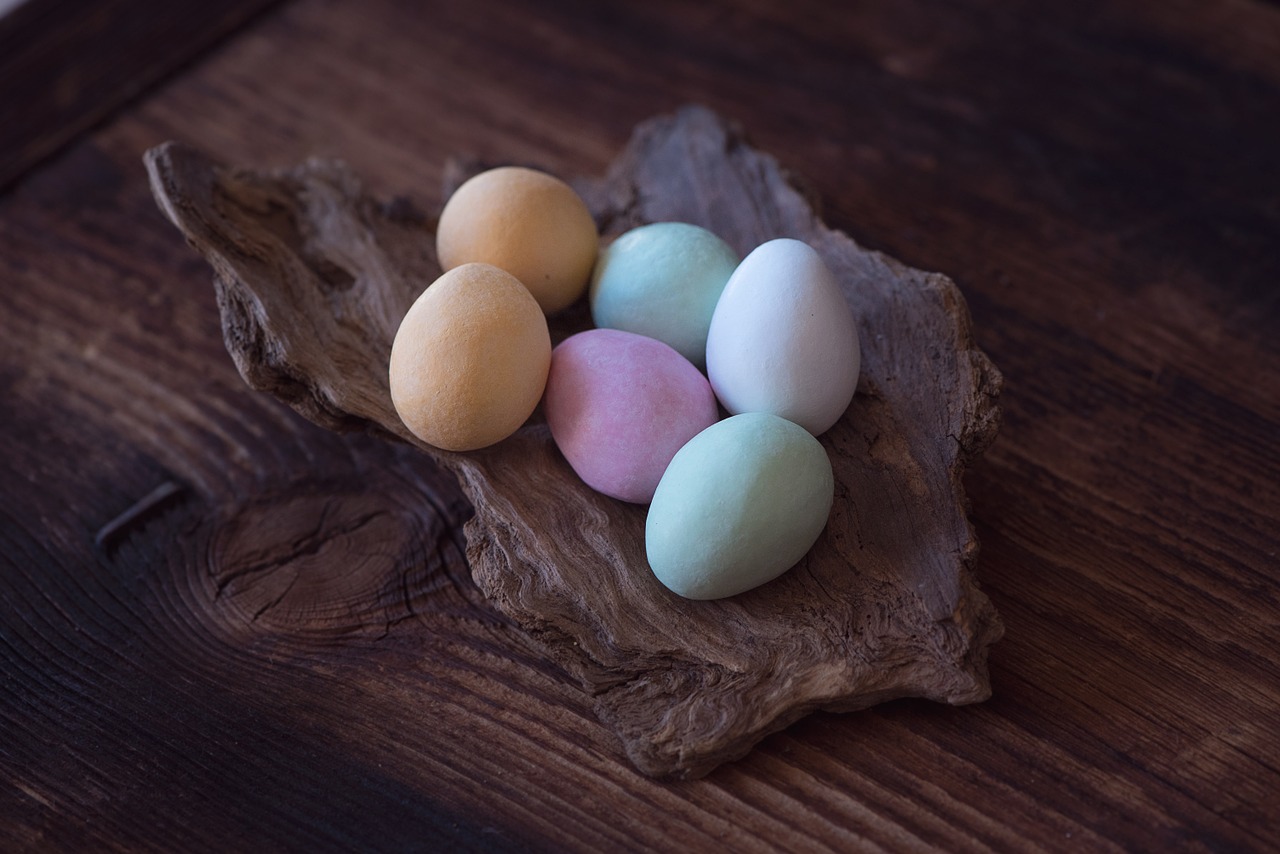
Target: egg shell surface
{"points": [[663, 280], [739, 505], [470, 359], [620, 405], [529, 223], [783, 338]]}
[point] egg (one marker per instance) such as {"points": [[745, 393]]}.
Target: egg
{"points": [[663, 280], [620, 405], [783, 339], [469, 362], [739, 505], [526, 222]]}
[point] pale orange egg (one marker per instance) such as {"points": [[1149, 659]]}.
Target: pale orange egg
{"points": [[470, 360], [526, 222]]}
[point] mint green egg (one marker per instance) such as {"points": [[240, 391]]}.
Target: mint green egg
{"points": [[663, 280], [739, 504]]}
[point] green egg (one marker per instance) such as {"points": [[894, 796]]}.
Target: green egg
{"points": [[740, 504], [663, 280]]}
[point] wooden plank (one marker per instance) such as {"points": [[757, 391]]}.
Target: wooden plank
{"points": [[67, 64], [1094, 178]]}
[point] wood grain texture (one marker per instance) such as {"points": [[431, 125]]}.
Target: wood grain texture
{"points": [[313, 277], [1093, 175], [67, 64]]}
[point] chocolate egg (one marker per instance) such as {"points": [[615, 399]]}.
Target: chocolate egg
{"points": [[470, 360], [663, 280], [783, 339], [739, 505], [526, 222], [620, 405]]}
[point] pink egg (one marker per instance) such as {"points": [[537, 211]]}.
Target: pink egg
{"points": [[620, 405]]}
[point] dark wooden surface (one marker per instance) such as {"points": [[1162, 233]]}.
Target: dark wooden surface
{"points": [[66, 64], [1100, 181]]}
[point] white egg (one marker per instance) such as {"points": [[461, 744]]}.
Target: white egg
{"points": [[783, 339]]}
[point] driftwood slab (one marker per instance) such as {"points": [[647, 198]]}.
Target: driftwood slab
{"points": [[313, 277]]}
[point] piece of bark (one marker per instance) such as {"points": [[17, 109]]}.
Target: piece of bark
{"points": [[313, 277]]}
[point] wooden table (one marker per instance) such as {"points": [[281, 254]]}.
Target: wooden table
{"points": [[1099, 178]]}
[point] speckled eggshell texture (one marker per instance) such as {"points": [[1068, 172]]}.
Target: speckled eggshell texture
{"points": [[529, 223], [739, 505], [783, 339], [620, 405], [470, 360], [663, 280]]}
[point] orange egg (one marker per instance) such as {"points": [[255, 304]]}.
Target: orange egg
{"points": [[470, 360], [526, 222]]}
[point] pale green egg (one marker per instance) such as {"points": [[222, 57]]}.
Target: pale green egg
{"points": [[663, 280], [740, 504]]}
